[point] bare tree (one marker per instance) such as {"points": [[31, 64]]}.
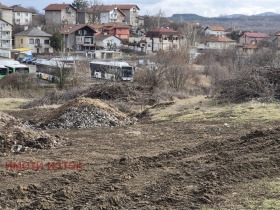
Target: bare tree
{"points": [[94, 12], [168, 69], [190, 34]]}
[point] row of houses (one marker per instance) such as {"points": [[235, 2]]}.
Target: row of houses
{"points": [[67, 14], [87, 37]]}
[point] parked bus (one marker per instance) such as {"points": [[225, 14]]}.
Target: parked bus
{"points": [[17, 68], [112, 70], [12, 66], [3, 71]]}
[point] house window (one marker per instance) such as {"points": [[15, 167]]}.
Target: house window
{"points": [[31, 41], [26, 14], [46, 50], [37, 42], [18, 14], [21, 41], [26, 20], [47, 41]]}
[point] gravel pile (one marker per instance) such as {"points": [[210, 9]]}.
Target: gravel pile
{"points": [[15, 137], [85, 113]]}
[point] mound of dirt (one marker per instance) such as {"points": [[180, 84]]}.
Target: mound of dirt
{"points": [[112, 92], [85, 113], [16, 137]]}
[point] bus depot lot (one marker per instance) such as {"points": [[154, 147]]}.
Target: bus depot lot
{"points": [[188, 155]]}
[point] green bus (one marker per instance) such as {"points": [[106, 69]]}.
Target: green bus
{"points": [[3, 71], [10, 67]]}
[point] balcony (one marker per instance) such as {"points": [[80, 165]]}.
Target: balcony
{"points": [[8, 46], [7, 37], [38, 45]]}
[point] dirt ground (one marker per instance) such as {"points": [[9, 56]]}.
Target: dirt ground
{"points": [[155, 164]]}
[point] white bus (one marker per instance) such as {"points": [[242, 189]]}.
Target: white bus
{"points": [[17, 68], [112, 70]]}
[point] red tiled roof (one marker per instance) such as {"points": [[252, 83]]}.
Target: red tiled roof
{"points": [[4, 7], [58, 7], [104, 8], [117, 25], [216, 28], [218, 39], [101, 8], [161, 31], [126, 6], [250, 46], [19, 8], [256, 35], [69, 29]]}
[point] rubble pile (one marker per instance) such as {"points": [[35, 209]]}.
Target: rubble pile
{"points": [[16, 137], [85, 113]]}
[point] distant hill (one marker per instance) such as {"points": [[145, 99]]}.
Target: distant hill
{"points": [[268, 22], [187, 17], [233, 16], [194, 17], [267, 14]]}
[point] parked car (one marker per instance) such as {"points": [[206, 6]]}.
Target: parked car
{"points": [[19, 59], [31, 61]]}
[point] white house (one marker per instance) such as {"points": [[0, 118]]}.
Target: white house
{"points": [[161, 39], [36, 40], [108, 42], [214, 30], [216, 42], [5, 34], [21, 15]]}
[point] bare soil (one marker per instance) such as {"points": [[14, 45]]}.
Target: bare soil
{"points": [[196, 164]]}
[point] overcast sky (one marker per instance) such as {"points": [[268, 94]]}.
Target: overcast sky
{"points": [[208, 8]]}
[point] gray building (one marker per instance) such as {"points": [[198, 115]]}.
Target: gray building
{"points": [[60, 14]]}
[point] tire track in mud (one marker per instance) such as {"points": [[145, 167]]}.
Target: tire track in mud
{"points": [[178, 179]]}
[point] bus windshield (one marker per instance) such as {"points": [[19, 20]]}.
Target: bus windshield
{"points": [[3, 71], [22, 69], [127, 71]]}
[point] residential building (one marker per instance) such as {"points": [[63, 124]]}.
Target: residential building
{"points": [[5, 34], [6, 13], [78, 37], [60, 14], [131, 14], [108, 42], [214, 30], [216, 42], [162, 39], [100, 14], [6, 20], [36, 40], [249, 49], [253, 38], [122, 31], [21, 15]]}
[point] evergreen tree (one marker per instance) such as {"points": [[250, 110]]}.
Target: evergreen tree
{"points": [[56, 41]]}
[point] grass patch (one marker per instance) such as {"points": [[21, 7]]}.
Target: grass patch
{"points": [[199, 108], [258, 195], [11, 103]]}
